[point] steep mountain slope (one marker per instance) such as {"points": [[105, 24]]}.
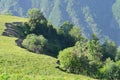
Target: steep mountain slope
{"points": [[96, 16], [19, 64]]}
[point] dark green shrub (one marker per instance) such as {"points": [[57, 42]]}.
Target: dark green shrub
{"points": [[117, 54], [109, 50]]}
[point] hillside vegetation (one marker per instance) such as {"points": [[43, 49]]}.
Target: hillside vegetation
{"points": [[19, 64]]}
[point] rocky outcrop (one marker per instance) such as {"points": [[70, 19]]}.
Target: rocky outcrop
{"points": [[14, 29], [11, 29]]}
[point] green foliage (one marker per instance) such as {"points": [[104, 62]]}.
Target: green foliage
{"points": [[4, 77], [73, 62], [117, 54], [26, 29], [66, 57], [94, 48], [109, 49], [111, 70], [37, 21], [56, 41], [64, 34], [69, 34], [34, 43], [35, 14], [88, 56], [81, 59], [76, 34], [91, 51], [38, 25], [65, 28]]}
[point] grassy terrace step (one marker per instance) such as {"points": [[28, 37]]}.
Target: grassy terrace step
{"points": [[19, 64]]}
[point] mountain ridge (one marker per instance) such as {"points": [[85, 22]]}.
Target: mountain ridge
{"points": [[100, 17]]}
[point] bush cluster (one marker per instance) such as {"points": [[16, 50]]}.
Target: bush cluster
{"points": [[87, 57], [35, 43]]}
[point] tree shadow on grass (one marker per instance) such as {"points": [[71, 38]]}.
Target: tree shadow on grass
{"points": [[19, 43]]}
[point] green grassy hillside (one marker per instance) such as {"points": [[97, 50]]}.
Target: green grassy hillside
{"points": [[19, 64]]}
